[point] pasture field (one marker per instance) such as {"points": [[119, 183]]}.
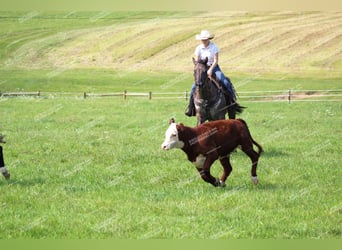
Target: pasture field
{"points": [[93, 168]]}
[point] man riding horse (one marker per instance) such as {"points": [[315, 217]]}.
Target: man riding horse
{"points": [[208, 49]]}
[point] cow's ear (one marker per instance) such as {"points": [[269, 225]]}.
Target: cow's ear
{"points": [[180, 130], [180, 126], [172, 120]]}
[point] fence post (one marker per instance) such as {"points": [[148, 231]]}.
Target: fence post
{"points": [[124, 94], [289, 97], [186, 95], [150, 95], [84, 95]]}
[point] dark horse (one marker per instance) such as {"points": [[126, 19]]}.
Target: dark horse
{"points": [[211, 101]]}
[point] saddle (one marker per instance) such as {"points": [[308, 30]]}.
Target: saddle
{"points": [[227, 95]]}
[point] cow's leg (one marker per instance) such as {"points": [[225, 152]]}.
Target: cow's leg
{"points": [[254, 156], [227, 169], [3, 169], [205, 170]]}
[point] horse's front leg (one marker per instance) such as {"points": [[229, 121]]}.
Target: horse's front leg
{"points": [[198, 115], [200, 119]]}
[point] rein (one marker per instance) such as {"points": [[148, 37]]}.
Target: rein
{"points": [[218, 86]]}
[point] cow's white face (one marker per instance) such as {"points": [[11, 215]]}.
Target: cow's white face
{"points": [[171, 138]]}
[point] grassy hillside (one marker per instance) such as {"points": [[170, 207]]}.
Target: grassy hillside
{"points": [[266, 43]]}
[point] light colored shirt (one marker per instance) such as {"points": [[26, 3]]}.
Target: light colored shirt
{"points": [[210, 51]]}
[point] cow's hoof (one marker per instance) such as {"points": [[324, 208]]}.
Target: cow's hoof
{"points": [[222, 184], [219, 183]]}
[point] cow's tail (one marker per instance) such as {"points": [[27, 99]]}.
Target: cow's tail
{"points": [[260, 150]]}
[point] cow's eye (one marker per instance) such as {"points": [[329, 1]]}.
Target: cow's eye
{"points": [[173, 135]]}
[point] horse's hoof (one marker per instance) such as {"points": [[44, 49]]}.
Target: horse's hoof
{"points": [[255, 180]]}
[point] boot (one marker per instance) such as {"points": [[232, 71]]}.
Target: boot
{"points": [[190, 111]]}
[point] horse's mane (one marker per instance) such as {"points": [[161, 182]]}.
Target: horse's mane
{"points": [[203, 61], [200, 61]]}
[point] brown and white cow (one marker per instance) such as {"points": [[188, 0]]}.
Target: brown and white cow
{"points": [[210, 141]]}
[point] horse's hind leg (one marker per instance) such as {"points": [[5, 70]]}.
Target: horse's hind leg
{"points": [[4, 171], [231, 107]]}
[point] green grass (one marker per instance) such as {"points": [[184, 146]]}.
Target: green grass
{"points": [[105, 80], [94, 169]]}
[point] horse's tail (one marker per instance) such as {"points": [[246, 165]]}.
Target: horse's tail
{"points": [[260, 149], [238, 108]]}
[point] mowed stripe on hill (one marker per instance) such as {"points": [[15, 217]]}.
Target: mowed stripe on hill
{"points": [[268, 42]]}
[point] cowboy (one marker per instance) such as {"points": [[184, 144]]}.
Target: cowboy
{"points": [[208, 49]]}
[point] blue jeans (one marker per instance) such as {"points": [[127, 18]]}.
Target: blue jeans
{"points": [[223, 80]]}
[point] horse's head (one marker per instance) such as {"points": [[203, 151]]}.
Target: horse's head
{"points": [[200, 71]]}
